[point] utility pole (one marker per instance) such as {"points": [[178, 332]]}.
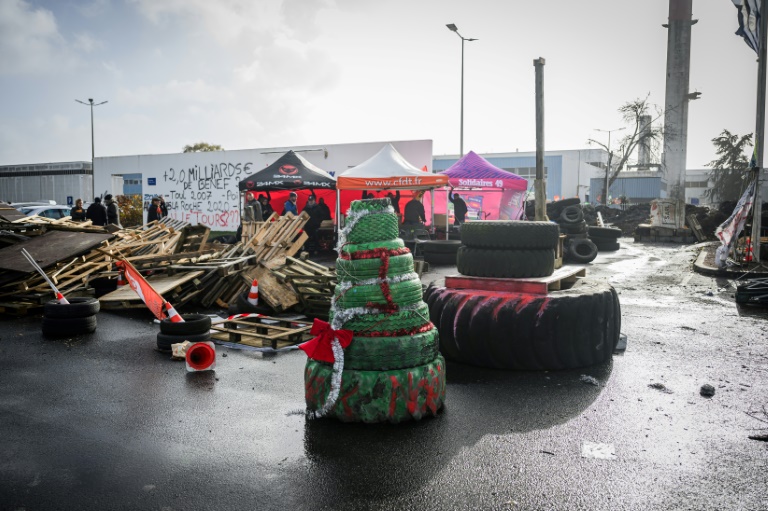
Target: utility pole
{"points": [[93, 150], [539, 185], [453, 28], [757, 206]]}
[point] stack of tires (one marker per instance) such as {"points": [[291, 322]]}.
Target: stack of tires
{"points": [[606, 239], [194, 328], [507, 249], [440, 251], [392, 369], [73, 318]]}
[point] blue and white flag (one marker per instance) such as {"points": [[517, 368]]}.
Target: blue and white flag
{"points": [[749, 21]]}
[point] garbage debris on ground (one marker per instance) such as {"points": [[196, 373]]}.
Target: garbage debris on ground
{"points": [[660, 386], [707, 390], [598, 451], [589, 379], [622, 344]]}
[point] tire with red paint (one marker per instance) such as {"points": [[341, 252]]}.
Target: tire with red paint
{"points": [[564, 329], [378, 396]]}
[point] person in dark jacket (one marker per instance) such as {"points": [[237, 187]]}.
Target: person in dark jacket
{"points": [[163, 207], [78, 212], [154, 211], [266, 207], [414, 213], [96, 212], [395, 200], [113, 212], [459, 208], [252, 211]]}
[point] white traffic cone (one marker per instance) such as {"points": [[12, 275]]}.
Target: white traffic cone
{"points": [[253, 294], [61, 299]]}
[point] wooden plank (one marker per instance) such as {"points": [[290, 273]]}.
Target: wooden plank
{"points": [[278, 295], [50, 248], [541, 285], [695, 226], [162, 284]]}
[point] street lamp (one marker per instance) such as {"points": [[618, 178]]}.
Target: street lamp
{"points": [[453, 28], [610, 158], [93, 168]]}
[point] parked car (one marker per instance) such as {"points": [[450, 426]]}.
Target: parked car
{"points": [[46, 211]]}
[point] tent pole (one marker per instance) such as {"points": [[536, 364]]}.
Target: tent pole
{"points": [[432, 209], [447, 236]]}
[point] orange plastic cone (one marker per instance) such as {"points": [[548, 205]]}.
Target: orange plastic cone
{"points": [[253, 294], [121, 281], [201, 356], [748, 251], [172, 314]]}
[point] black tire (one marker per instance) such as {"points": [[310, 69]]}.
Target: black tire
{"points": [[572, 215], [164, 341], [582, 251], [440, 246], [60, 327], [564, 329], [555, 208], [578, 228], [479, 262], [387, 353], [510, 234], [604, 232], [441, 259], [607, 246], [77, 308], [579, 236], [192, 324]]}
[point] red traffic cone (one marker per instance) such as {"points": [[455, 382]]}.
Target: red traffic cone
{"points": [[121, 281], [61, 299], [253, 294], [172, 314], [201, 356]]}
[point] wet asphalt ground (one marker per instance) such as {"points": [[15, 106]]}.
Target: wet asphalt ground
{"points": [[105, 422]]}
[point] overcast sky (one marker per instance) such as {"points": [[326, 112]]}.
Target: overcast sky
{"points": [[267, 73]]}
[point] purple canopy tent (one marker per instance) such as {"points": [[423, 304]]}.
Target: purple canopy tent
{"points": [[473, 172]]}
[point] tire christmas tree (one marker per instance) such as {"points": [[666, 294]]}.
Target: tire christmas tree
{"points": [[378, 360]]}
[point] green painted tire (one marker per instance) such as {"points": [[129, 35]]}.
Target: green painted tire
{"points": [[374, 227], [351, 248], [406, 292], [378, 396], [362, 269], [388, 353], [387, 322]]}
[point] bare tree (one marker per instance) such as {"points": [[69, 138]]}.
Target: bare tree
{"points": [[635, 115]]}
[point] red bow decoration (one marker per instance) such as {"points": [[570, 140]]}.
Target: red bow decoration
{"points": [[319, 348]]}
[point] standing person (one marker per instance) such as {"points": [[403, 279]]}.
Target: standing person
{"points": [[252, 211], [367, 195], [96, 213], [266, 206], [154, 211], [78, 212], [414, 212], [163, 207], [113, 212], [290, 205], [395, 200], [459, 208]]}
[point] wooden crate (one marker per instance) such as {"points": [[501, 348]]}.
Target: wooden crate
{"points": [[264, 331]]}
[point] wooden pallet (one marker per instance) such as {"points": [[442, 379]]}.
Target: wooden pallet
{"points": [[562, 278], [262, 332], [170, 287], [192, 239], [313, 283]]}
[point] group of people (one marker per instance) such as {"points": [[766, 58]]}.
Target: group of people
{"points": [[97, 213], [414, 213]]}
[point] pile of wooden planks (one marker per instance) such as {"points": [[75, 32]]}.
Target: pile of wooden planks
{"points": [[313, 284], [175, 257]]}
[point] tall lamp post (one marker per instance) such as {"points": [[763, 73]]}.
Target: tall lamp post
{"points": [[610, 159], [93, 168], [453, 28]]}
